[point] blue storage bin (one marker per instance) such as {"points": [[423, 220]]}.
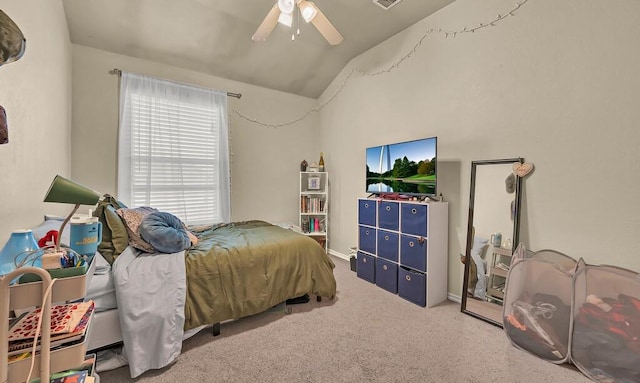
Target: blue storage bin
{"points": [[367, 210], [413, 252], [388, 215], [366, 268], [367, 239], [388, 245], [387, 275], [414, 219], [412, 286]]}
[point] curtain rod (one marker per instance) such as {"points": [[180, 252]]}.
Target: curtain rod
{"points": [[229, 94]]}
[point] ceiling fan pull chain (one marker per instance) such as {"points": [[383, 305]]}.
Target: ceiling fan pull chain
{"points": [[298, 21]]}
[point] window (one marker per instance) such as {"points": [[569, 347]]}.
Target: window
{"points": [[173, 149]]}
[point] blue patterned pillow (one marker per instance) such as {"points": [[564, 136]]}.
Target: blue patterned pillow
{"points": [[165, 232]]}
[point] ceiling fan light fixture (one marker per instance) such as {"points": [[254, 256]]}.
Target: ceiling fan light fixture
{"points": [[286, 19], [282, 11], [286, 6], [308, 10]]}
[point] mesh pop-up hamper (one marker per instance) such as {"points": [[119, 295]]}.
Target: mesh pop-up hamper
{"points": [[605, 342], [538, 301]]}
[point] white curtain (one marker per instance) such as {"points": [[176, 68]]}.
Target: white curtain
{"points": [[173, 149]]}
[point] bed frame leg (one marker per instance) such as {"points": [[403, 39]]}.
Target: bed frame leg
{"points": [[216, 329]]}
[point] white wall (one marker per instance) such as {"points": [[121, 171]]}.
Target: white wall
{"points": [[556, 84], [36, 93], [264, 163]]}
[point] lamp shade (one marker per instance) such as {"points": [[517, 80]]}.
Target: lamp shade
{"points": [[63, 190]]}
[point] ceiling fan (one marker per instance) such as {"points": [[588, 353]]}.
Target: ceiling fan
{"points": [[282, 12]]}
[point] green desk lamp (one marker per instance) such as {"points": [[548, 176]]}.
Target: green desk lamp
{"points": [[63, 190]]}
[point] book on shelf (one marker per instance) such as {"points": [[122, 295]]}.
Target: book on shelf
{"points": [[70, 376], [69, 323], [312, 204]]}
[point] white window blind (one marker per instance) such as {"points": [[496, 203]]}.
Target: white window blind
{"points": [[173, 149]]}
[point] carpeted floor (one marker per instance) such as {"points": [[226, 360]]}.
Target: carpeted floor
{"points": [[364, 335]]}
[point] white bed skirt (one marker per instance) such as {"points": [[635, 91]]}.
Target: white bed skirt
{"points": [[105, 330]]}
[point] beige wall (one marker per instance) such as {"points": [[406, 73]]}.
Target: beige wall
{"points": [[36, 93], [264, 161], [557, 84]]}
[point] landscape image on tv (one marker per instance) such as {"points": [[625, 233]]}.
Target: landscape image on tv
{"points": [[405, 168]]}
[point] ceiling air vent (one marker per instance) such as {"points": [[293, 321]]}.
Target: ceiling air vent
{"points": [[386, 4]]}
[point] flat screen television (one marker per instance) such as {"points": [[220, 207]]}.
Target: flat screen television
{"points": [[408, 168]]}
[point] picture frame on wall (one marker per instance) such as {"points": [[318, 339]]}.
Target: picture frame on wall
{"points": [[314, 183]]}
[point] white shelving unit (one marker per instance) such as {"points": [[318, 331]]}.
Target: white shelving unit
{"points": [[27, 295], [313, 217], [498, 269]]}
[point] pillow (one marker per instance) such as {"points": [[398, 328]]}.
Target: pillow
{"points": [[132, 219], [106, 246], [165, 232], [476, 249], [192, 237], [479, 244], [119, 235]]}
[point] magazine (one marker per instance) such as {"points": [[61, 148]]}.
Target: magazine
{"points": [[69, 324]]}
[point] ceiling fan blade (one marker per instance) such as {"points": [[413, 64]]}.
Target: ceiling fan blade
{"points": [[325, 27], [267, 24]]}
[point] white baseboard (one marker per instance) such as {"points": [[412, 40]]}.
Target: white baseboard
{"points": [[338, 254], [450, 296], [455, 298]]}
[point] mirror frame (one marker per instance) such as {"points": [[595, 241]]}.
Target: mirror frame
{"points": [[469, 244]]}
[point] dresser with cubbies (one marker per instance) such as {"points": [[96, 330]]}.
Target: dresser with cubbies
{"points": [[403, 248]]}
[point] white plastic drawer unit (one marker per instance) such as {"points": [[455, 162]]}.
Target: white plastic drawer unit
{"points": [[388, 215], [388, 245], [367, 212], [414, 219], [413, 252]]}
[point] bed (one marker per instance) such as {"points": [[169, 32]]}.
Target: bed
{"points": [[152, 301]]}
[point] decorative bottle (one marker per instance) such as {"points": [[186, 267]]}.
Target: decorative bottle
{"points": [[22, 250], [321, 163]]}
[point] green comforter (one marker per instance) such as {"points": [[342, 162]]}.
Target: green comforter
{"points": [[244, 268]]}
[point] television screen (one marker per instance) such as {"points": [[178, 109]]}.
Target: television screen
{"points": [[405, 167]]}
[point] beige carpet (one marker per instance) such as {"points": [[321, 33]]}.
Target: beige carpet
{"points": [[364, 335]]}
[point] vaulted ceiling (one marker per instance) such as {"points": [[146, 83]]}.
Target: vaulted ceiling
{"points": [[214, 36]]}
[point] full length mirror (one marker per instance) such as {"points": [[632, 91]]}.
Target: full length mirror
{"points": [[492, 234]]}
